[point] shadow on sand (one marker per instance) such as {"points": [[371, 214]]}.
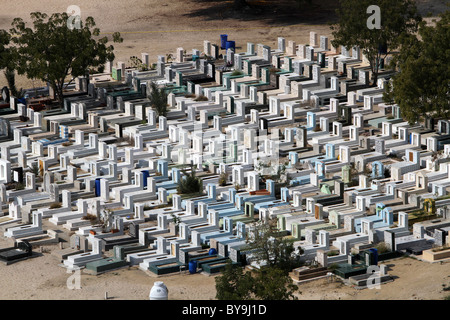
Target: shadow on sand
{"points": [[274, 13]]}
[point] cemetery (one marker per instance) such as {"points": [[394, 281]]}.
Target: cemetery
{"points": [[311, 145]]}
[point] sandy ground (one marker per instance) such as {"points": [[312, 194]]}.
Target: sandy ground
{"points": [[159, 27], [42, 278]]}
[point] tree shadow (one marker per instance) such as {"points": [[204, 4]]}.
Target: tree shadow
{"points": [[274, 13]]}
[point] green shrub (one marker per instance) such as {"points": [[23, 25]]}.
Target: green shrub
{"points": [[223, 179], [19, 186], [190, 183], [236, 73], [158, 99], [333, 253]]}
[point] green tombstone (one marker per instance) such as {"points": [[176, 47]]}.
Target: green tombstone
{"points": [[325, 188], [289, 63], [249, 209], [116, 74], [281, 223], [334, 218], [346, 174]]}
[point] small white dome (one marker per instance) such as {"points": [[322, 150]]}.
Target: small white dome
{"points": [[159, 291]]}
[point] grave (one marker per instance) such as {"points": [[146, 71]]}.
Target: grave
{"points": [[22, 250]]}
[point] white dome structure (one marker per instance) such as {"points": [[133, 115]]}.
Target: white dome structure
{"points": [[159, 291]]}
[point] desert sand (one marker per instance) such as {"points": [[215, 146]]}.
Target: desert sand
{"points": [[42, 278], [159, 27]]}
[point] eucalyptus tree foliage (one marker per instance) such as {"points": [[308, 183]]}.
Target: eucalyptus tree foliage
{"points": [[53, 52], [422, 85], [375, 26]]}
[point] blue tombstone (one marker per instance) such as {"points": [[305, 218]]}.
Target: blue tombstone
{"points": [[211, 188], [230, 45], [320, 169], [223, 41], [284, 194], [374, 256], [310, 120], [378, 208], [146, 174], [240, 227], [176, 174], [330, 150], [232, 194], [293, 157], [377, 169], [388, 215], [239, 201], [163, 168], [97, 187], [270, 186]]}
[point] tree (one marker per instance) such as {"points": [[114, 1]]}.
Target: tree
{"points": [[137, 63], [274, 284], [190, 183], [266, 284], [51, 51], [6, 63], [5, 39], [234, 284], [270, 248], [223, 179], [10, 75], [158, 99], [422, 85], [397, 19]]}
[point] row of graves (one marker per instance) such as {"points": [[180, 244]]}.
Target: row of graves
{"points": [[296, 133]]}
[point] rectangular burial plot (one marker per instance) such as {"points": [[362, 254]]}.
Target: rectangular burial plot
{"points": [[209, 259], [104, 265], [165, 268], [216, 267], [20, 251], [346, 270]]}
